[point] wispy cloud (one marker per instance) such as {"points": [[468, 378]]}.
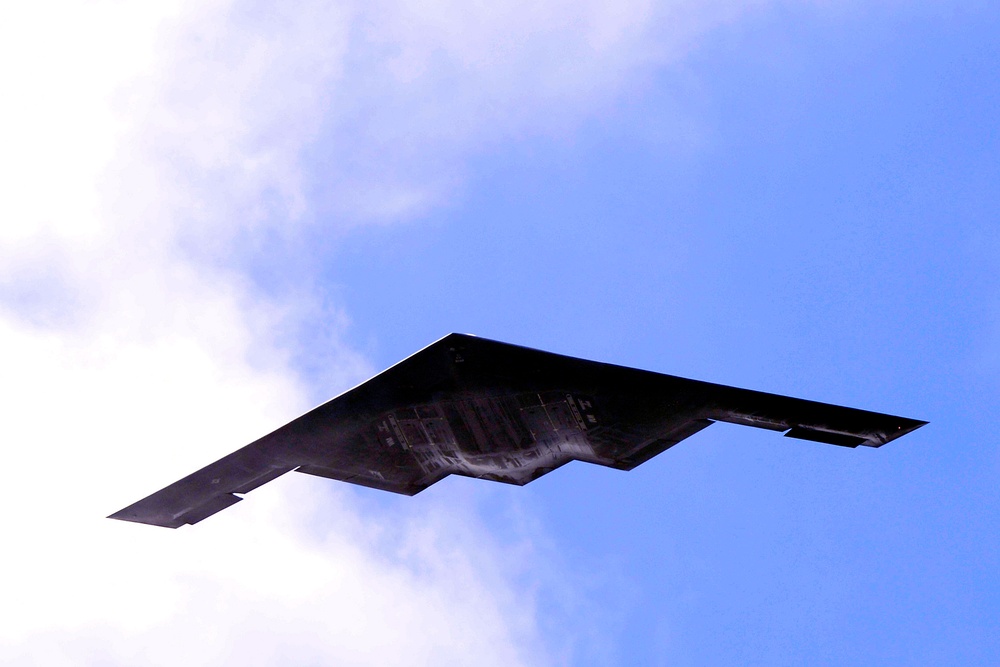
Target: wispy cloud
{"points": [[142, 146]]}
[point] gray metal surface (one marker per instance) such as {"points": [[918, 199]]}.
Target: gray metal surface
{"points": [[475, 407]]}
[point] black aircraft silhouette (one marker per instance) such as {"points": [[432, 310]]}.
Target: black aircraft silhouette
{"points": [[480, 408]]}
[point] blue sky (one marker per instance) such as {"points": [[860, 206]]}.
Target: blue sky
{"points": [[831, 232], [260, 207]]}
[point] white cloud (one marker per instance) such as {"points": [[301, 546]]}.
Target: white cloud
{"points": [[293, 575], [143, 147]]}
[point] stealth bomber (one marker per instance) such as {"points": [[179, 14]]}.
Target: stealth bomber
{"points": [[480, 408]]}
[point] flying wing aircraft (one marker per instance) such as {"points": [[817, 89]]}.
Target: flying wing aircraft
{"points": [[480, 408]]}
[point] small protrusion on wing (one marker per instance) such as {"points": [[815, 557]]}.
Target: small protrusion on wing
{"points": [[828, 437]]}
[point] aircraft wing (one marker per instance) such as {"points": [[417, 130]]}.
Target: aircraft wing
{"points": [[480, 408]]}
